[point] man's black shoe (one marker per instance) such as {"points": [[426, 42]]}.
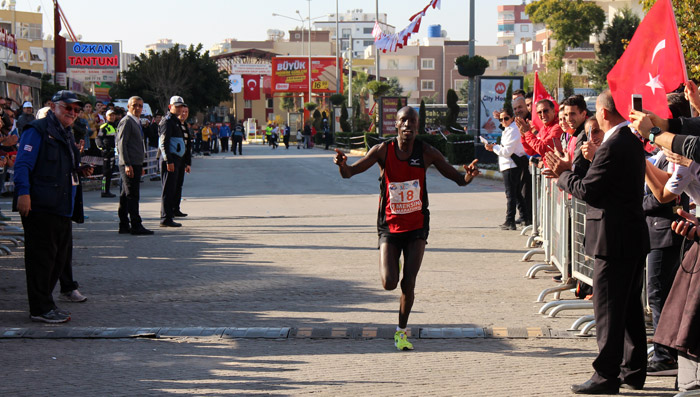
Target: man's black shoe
{"points": [[662, 368], [591, 387], [124, 230], [508, 226], [180, 214], [141, 231], [170, 223], [630, 386], [108, 195]]}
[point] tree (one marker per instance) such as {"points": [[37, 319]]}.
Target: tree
{"points": [[430, 100], [688, 21], [617, 36], [421, 117], [452, 109], [464, 92], [508, 103], [287, 104], [48, 88], [395, 88], [189, 73], [568, 84], [572, 22], [344, 125]]}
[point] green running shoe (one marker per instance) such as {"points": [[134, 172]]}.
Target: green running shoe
{"points": [[401, 341]]}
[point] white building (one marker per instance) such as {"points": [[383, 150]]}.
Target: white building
{"points": [[160, 46], [357, 24]]}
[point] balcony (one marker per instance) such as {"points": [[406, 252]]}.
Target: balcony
{"points": [[400, 72]]}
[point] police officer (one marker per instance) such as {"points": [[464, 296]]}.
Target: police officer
{"points": [[105, 141], [186, 162], [172, 148]]}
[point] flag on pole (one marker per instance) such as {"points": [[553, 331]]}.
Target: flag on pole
{"points": [[539, 93], [652, 65]]}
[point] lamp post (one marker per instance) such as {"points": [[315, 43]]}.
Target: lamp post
{"points": [[302, 27], [309, 66]]}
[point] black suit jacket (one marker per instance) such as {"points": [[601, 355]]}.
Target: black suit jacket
{"points": [[613, 189]]}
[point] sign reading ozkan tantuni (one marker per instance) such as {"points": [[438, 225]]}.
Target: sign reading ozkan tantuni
{"points": [[92, 55]]}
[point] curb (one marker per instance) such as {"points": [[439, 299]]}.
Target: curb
{"points": [[283, 333]]}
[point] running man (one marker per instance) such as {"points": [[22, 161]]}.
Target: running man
{"points": [[403, 207]]}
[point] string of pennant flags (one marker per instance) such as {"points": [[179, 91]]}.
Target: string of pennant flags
{"points": [[392, 41]]}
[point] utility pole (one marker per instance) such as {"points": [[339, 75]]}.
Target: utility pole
{"points": [[309, 66], [338, 76], [473, 101], [376, 49]]}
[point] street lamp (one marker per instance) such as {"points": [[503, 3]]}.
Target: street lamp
{"points": [[300, 19]]}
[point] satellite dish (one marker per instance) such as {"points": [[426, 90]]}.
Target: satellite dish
{"points": [[38, 9]]}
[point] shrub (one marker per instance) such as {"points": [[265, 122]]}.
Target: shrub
{"points": [[460, 149]]}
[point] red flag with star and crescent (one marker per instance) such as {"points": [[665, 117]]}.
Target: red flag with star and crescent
{"points": [[539, 93], [251, 87], [652, 65]]}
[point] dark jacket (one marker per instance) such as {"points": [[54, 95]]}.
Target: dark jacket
{"points": [[50, 182], [187, 136], [130, 142], [170, 136], [659, 216], [613, 190], [106, 139]]}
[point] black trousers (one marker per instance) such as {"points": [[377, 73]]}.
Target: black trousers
{"points": [[525, 186], [48, 242], [237, 142], [224, 144], [65, 280], [662, 265], [514, 197], [107, 169], [169, 193], [129, 197], [180, 182], [619, 316]]}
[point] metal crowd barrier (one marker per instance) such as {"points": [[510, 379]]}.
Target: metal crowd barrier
{"points": [[151, 159]]}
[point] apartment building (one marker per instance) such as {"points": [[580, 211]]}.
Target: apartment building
{"points": [[514, 25], [28, 30], [356, 24]]}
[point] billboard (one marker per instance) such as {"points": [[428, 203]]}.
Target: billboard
{"points": [[291, 74], [492, 95], [92, 55], [387, 113]]}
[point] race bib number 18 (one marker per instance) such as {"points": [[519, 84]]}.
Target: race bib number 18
{"points": [[404, 197]]}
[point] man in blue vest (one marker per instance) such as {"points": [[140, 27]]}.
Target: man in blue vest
{"points": [[47, 197], [172, 148]]}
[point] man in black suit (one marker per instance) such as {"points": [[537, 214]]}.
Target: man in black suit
{"points": [[617, 237]]}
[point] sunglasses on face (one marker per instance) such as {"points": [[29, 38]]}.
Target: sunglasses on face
{"points": [[74, 109], [504, 118]]}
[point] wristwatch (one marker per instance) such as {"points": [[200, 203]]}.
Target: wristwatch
{"points": [[653, 133]]}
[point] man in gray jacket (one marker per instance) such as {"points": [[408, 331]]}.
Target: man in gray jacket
{"points": [[131, 154]]}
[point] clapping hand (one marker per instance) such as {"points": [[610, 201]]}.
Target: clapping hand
{"points": [[588, 150], [523, 125], [558, 163], [686, 226]]}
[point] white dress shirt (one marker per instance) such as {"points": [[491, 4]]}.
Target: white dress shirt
{"points": [[510, 144]]}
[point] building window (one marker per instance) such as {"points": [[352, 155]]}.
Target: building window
{"points": [[427, 63], [22, 56], [346, 33], [459, 83], [367, 30], [367, 43], [506, 27], [427, 85], [269, 103], [247, 104], [392, 64], [524, 28]]}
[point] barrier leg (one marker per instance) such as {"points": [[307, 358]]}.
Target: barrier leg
{"points": [[571, 306], [548, 291], [688, 393], [10, 239], [549, 305], [529, 254], [525, 230], [5, 250], [580, 321], [586, 331], [537, 268]]}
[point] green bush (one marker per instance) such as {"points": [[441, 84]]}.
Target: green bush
{"points": [[436, 141], [342, 139], [458, 152]]}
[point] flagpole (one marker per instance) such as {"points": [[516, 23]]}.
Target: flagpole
{"points": [[678, 37]]}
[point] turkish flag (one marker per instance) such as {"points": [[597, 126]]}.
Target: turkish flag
{"points": [[539, 93], [251, 87], [652, 65]]}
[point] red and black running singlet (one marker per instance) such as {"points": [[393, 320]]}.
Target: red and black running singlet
{"points": [[403, 203]]}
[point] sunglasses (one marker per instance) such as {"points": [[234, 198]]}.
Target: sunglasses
{"points": [[504, 119], [74, 109]]}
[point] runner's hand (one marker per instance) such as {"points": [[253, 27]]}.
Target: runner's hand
{"points": [[340, 158], [472, 171]]}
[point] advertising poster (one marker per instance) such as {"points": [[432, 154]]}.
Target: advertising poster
{"points": [[492, 95], [291, 74], [387, 113]]}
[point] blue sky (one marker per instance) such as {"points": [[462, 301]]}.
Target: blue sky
{"points": [[142, 22]]}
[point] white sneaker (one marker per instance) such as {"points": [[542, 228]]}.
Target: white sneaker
{"points": [[73, 296]]}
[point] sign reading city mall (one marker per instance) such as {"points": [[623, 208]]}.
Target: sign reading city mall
{"points": [[92, 61], [291, 74]]}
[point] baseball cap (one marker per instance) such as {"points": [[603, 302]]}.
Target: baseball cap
{"points": [[66, 96], [110, 111], [27, 105], [177, 100]]}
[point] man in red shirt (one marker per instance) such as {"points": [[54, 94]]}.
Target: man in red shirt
{"points": [[403, 222], [542, 142]]}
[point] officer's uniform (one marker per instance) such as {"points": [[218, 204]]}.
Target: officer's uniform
{"points": [[172, 147], [105, 141]]}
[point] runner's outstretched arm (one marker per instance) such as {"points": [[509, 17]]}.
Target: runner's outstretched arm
{"points": [[433, 156], [360, 166]]}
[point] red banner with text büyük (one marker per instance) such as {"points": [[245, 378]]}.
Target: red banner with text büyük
{"points": [[291, 74]]}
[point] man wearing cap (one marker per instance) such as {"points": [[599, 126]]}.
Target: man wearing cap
{"points": [[131, 154], [171, 143], [105, 141], [47, 197], [26, 117]]}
